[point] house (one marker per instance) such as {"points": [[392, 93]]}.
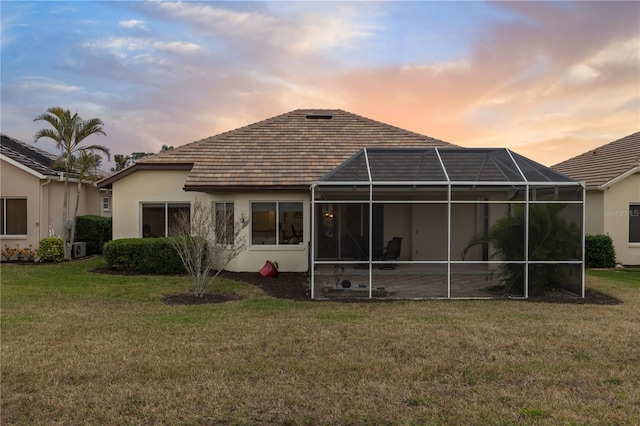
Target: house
{"points": [[329, 192], [32, 192], [612, 176]]}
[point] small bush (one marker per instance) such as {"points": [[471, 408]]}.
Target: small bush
{"points": [[599, 251], [94, 230], [51, 249], [143, 256]]}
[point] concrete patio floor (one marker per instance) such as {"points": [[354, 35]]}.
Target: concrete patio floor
{"points": [[407, 281]]}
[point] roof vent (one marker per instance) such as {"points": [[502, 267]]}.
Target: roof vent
{"points": [[319, 116]]}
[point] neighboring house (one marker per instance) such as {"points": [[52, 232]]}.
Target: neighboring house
{"points": [[612, 207], [304, 181], [32, 192]]}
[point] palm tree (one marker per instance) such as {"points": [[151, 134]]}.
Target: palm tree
{"points": [[68, 131], [85, 168]]}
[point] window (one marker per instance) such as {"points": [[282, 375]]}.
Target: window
{"points": [[106, 204], [13, 212], [160, 219], [634, 223], [276, 223], [224, 222]]}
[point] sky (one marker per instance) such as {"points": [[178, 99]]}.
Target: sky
{"points": [[549, 80]]}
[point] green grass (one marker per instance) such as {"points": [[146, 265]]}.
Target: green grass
{"points": [[86, 348]]}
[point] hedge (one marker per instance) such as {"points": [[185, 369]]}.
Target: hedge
{"points": [[599, 251], [143, 256], [94, 230]]}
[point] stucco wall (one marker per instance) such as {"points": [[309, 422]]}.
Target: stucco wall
{"points": [[167, 186], [44, 203], [397, 223], [594, 212], [17, 183], [616, 218], [144, 186], [290, 258]]}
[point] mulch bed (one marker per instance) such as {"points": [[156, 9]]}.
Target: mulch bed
{"points": [[294, 286], [291, 285]]}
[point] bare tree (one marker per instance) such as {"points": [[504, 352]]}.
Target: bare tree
{"points": [[207, 240]]}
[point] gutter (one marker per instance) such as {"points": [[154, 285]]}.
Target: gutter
{"points": [[631, 171], [42, 185]]}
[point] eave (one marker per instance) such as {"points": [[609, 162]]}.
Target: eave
{"points": [[618, 178], [108, 181], [244, 188], [29, 169]]}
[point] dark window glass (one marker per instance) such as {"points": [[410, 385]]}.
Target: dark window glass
{"points": [[224, 222], [634, 223], [158, 219], [14, 216], [276, 223]]}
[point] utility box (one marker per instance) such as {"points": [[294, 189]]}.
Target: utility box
{"points": [[78, 250]]}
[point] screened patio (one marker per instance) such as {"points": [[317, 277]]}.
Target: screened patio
{"points": [[445, 223]]}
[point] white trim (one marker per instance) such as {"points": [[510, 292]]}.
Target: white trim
{"points": [[618, 178], [278, 244], [23, 167], [516, 164]]}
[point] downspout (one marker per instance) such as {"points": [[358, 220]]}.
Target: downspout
{"points": [[42, 185]]}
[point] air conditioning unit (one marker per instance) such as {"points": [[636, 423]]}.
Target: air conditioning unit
{"points": [[78, 250]]}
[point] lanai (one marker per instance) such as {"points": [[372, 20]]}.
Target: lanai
{"points": [[435, 202]]}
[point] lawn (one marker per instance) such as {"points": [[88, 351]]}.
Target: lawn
{"points": [[85, 348]]}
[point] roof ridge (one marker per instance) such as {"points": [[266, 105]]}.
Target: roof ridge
{"points": [[409, 132], [289, 149]]}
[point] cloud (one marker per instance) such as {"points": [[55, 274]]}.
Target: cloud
{"points": [[43, 84], [121, 46], [252, 31], [546, 79], [132, 23], [516, 87]]}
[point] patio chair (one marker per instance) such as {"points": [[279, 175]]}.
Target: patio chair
{"points": [[296, 234], [392, 252]]}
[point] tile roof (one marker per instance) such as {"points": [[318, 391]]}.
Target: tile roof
{"points": [[29, 156], [287, 151], [599, 166]]}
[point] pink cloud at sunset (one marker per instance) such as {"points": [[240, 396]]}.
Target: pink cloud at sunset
{"points": [[548, 80]]}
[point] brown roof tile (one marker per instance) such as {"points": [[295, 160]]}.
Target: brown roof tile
{"points": [[289, 150], [601, 165]]}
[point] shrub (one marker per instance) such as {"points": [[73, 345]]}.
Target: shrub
{"points": [[143, 256], [551, 237], [94, 230], [599, 251], [51, 249]]}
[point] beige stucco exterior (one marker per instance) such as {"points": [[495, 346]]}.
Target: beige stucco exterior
{"points": [[44, 197], [607, 212], [146, 186]]}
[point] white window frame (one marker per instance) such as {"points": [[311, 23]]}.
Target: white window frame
{"points": [[634, 218], [108, 204], [166, 205], [277, 243]]}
